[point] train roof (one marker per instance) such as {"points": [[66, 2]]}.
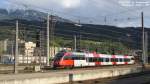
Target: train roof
{"points": [[84, 53]]}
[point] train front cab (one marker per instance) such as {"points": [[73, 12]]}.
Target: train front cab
{"points": [[66, 61], [73, 59], [56, 61], [62, 60]]}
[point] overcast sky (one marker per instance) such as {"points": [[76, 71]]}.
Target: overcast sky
{"points": [[111, 12]]}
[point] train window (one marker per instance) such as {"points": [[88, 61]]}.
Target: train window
{"points": [[58, 56], [114, 59], [95, 59], [78, 58], [100, 59], [67, 58], [107, 59], [120, 60], [90, 59], [75, 58], [127, 60], [82, 58], [132, 58]]}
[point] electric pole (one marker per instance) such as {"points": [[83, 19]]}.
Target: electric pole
{"points": [[79, 47], [53, 21], [48, 46], [80, 39], [146, 47], [143, 38], [12, 49], [105, 20], [16, 50], [75, 43]]}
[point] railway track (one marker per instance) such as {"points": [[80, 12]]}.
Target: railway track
{"points": [[9, 69], [91, 68]]}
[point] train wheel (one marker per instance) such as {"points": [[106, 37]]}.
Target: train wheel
{"points": [[54, 67], [68, 67], [72, 67]]}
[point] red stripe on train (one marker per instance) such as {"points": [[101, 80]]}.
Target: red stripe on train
{"points": [[125, 58], [114, 61], [97, 56]]}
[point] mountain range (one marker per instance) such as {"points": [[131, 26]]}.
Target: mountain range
{"points": [[66, 28], [30, 15]]}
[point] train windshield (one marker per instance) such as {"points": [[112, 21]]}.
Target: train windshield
{"points": [[58, 56]]}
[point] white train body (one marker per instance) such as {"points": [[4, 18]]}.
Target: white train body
{"points": [[75, 59]]}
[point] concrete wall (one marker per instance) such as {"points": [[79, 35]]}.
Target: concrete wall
{"points": [[63, 76]]}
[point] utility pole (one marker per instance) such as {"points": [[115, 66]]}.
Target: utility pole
{"points": [[79, 34], [80, 39], [143, 41], [16, 50], [143, 38], [146, 47], [52, 30], [48, 46], [79, 47], [12, 49], [105, 20], [75, 43]]}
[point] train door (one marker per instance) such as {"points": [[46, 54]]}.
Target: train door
{"points": [[90, 60], [79, 60], [106, 61]]}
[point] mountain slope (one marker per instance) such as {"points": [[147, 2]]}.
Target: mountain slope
{"points": [[31, 15], [65, 28]]}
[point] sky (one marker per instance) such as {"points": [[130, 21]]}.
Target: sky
{"points": [[120, 13]]}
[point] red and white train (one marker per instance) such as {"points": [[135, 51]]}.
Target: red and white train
{"points": [[78, 59]]}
